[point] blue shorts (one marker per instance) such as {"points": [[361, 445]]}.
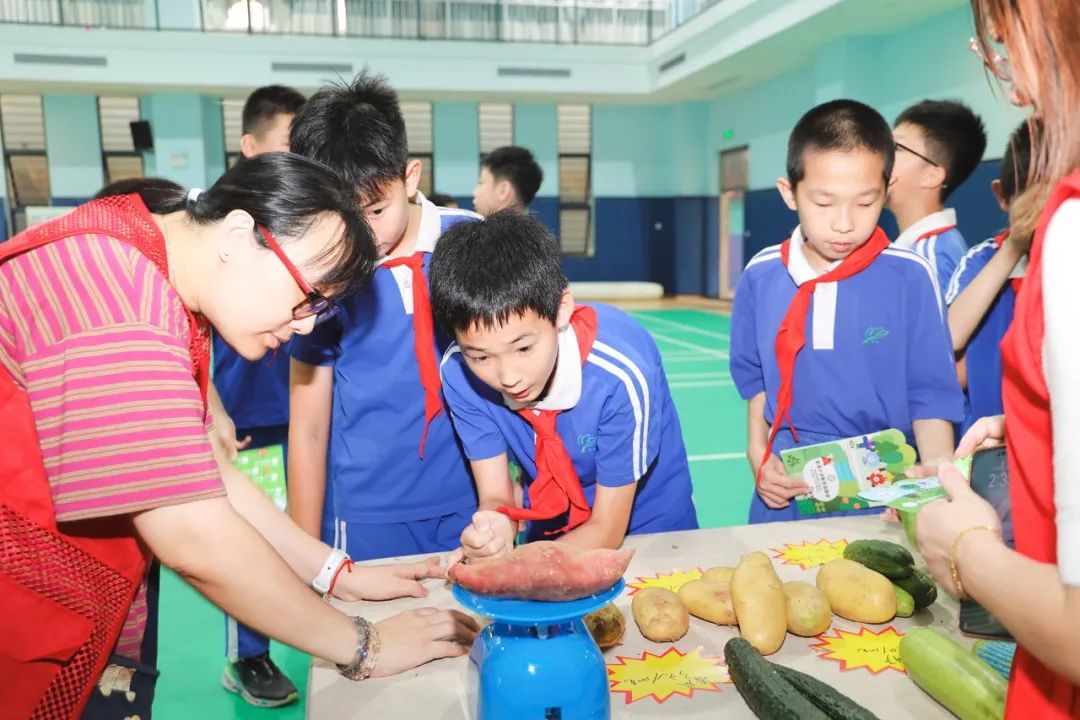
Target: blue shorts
{"points": [[364, 541]]}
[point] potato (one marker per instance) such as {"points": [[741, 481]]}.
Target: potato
{"points": [[856, 592], [808, 611], [709, 601], [606, 625], [660, 614], [760, 603], [719, 574]]}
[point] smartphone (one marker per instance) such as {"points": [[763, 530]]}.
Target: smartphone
{"points": [[989, 480]]}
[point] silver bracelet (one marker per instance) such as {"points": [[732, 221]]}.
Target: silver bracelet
{"points": [[367, 650]]}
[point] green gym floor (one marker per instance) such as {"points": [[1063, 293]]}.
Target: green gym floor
{"points": [[694, 344]]}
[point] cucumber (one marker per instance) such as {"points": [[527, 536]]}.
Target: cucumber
{"points": [[830, 701], [765, 691], [891, 560], [965, 685], [905, 604], [920, 586]]}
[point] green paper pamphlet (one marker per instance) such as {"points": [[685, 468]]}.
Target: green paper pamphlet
{"points": [[839, 470], [266, 468]]}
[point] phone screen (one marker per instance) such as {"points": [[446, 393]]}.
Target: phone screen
{"points": [[990, 480]]}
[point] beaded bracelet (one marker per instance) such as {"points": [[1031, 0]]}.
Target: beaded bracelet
{"points": [[367, 650], [956, 546]]}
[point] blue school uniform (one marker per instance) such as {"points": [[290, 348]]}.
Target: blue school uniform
{"points": [[617, 422], [877, 351], [936, 240], [983, 353], [387, 500]]}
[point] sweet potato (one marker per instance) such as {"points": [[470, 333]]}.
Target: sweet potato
{"points": [[544, 570]]}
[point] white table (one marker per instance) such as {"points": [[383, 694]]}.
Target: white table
{"points": [[438, 690]]}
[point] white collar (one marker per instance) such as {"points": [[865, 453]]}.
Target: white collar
{"points": [[429, 229], [798, 266], [930, 223], [565, 390]]}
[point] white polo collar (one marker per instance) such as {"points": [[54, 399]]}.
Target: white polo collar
{"points": [[934, 221]]}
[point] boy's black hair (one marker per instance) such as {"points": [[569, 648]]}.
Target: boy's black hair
{"points": [[517, 166], [358, 130], [266, 103], [1016, 163], [442, 200], [839, 126], [484, 272], [955, 138]]}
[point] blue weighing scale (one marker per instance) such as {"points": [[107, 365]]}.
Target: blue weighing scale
{"points": [[537, 660]]}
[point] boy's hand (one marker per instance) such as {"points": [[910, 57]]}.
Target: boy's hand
{"points": [[986, 432], [776, 487], [490, 535]]}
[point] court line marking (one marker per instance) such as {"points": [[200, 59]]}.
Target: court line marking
{"points": [[690, 346], [717, 456], [682, 326], [701, 383], [712, 374], [690, 359]]}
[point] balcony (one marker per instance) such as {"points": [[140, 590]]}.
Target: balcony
{"points": [[585, 22]]}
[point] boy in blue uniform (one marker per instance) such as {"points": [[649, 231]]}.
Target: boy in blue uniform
{"points": [[939, 143], [509, 180], [365, 383], [834, 333], [255, 395], [983, 290], [578, 395]]}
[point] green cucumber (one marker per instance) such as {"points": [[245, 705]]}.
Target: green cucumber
{"points": [[829, 700], [764, 689], [905, 604], [891, 560], [965, 685], [920, 586]]}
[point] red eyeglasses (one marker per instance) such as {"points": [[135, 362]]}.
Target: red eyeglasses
{"points": [[315, 303]]}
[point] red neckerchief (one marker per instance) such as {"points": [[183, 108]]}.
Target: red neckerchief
{"points": [[791, 336], [999, 240], [932, 233], [556, 486], [423, 339]]}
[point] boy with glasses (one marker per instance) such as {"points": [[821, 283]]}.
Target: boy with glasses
{"points": [[939, 143]]}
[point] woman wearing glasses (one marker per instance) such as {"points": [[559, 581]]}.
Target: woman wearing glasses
{"points": [[105, 459], [1034, 591]]}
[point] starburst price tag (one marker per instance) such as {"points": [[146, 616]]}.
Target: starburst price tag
{"points": [[671, 581], [810, 555], [874, 651], [663, 676]]}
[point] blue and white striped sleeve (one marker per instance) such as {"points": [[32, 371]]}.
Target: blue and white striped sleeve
{"points": [[628, 437]]}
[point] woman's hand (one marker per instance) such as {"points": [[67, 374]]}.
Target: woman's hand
{"points": [[416, 637], [386, 582], [940, 523], [986, 432]]}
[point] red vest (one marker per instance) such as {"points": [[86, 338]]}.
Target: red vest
{"points": [[65, 592], [1034, 691]]}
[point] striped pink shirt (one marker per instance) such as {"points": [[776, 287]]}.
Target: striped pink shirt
{"points": [[99, 339]]}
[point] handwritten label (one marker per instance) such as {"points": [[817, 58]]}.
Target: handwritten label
{"points": [[874, 651], [671, 581], [810, 555], [663, 676]]}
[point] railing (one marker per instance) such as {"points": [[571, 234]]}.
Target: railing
{"points": [[95, 13], [592, 22], [596, 22]]}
